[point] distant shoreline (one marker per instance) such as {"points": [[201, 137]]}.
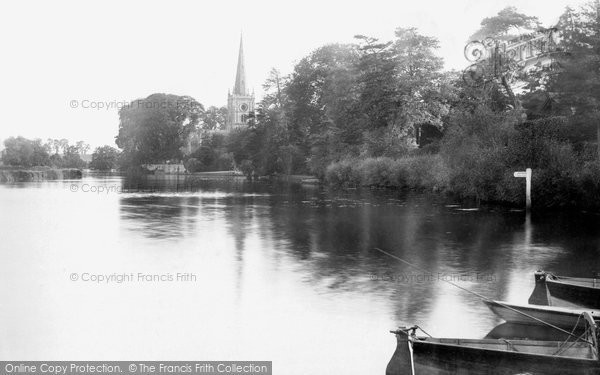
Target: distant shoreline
{"points": [[33, 174]]}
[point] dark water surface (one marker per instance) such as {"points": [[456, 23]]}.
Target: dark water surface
{"points": [[279, 272]]}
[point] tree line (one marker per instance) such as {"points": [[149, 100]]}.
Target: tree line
{"points": [[385, 113], [57, 153]]}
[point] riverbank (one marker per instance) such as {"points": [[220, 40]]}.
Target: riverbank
{"points": [[33, 174], [217, 174], [297, 178], [485, 181]]}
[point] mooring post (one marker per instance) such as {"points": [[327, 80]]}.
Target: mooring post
{"points": [[527, 176], [528, 189]]}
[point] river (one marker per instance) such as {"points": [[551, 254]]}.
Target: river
{"points": [[108, 268]]}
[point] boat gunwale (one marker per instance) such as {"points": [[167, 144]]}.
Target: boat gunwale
{"points": [[575, 282], [426, 340], [565, 311]]}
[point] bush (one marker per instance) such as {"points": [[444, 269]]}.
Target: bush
{"points": [[379, 172], [589, 185], [24, 152], [424, 172], [342, 173], [224, 162], [247, 168], [193, 165], [105, 158], [210, 154]]}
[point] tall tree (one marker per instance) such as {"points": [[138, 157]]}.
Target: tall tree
{"points": [[421, 83], [214, 118], [505, 25], [156, 129], [82, 147], [23, 152], [105, 158], [63, 144], [577, 84]]}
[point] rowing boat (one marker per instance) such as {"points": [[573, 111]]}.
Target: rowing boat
{"points": [[570, 291], [417, 355], [533, 314]]}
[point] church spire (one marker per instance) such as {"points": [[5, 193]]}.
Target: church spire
{"points": [[240, 76]]}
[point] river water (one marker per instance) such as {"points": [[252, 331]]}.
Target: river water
{"points": [[110, 268]]}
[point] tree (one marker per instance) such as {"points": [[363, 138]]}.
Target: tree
{"points": [[52, 145], [505, 24], [577, 84], [23, 152], [320, 90], [422, 86], [343, 96], [105, 158], [72, 159], [63, 144], [156, 129], [401, 87], [210, 155], [82, 147], [41, 156], [214, 118], [319, 101], [377, 79]]}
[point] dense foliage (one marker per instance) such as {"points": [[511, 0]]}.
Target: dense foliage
{"points": [[210, 155], [383, 113], [386, 114], [156, 129], [105, 158], [23, 152]]}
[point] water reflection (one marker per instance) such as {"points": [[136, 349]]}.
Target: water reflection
{"points": [[271, 256], [330, 236]]}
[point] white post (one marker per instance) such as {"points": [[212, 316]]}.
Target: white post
{"points": [[527, 176], [528, 189]]}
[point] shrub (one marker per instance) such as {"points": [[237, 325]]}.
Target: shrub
{"points": [[193, 165], [418, 172], [428, 172], [379, 172], [342, 173], [247, 168], [589, 185]]}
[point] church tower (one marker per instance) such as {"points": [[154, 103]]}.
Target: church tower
{"points": [[240, 103]]}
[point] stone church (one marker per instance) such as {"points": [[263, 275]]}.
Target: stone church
{"points": [[240, 103]]}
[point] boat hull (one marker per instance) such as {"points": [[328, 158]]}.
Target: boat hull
{"points": [[560, 317], [420, 356], [450, 359], [581, 295], [565, 291]]}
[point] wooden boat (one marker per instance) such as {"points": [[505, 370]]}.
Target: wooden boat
{"points": [[517, 331], [563, 317], [570, 291], [417, 355]]}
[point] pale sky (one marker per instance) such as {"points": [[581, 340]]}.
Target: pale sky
{"points": [[56, 52]]}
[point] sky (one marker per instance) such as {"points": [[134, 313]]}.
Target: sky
{"points": [[61, 61]]}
